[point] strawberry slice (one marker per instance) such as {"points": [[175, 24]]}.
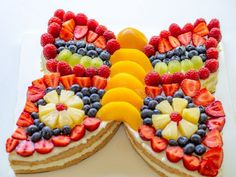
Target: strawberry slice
{"points": [[43, 146], [167, 45], [99, 82], [11, 144], [185, 38], [207, 168], [215, 109], [66, 35], [30, 107], [161, 46], [153, 91], [174, 153], [191, 162], [19, 134], [35, 93], [67, 81], [91, 123], [190, 87], [39, 83], [80, 31], [61, 141], [203, 97], [164, 45], [215, 155], [201, 29], [24, 120], [25, 148], [213, 139], [170, 89], [77, 132], [158, 144], [174, 41], [198, 40], [52, 79], [100, 42], [146, 132], [91, 36], [216, 123], [83, 81], [69, 25]]}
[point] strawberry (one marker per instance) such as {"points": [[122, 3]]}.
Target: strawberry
{"points": [[152, 79], [25, 148], [203, 98], [80, 32], [68, 15], [54, 19], [198, 40], [191, 162], [164, 45], [91, 36], [212, 53], [46, 38], [201, 29], [77, 132], [104, 71], [188, 27], [39, 83], [216, 123], [66, 35], [211, 42], [192, 74], [164, 34], [11, 144], [91, 123], [214, 155], [199, 20], [178, 77], [100, 42], [34, 93], [19, 134], [112, 46], [79, 70], [43, 146], [215, 33], [208, 168], [212, 65], [166, 78], [67, 81], [54, 29], [109, 35], [174, 153], [51, 65], [64, 68], [69, 25], [83, 81], [204, 73], [153, 91], [52, 79], [49, 51], [61, 140], [149, 50], [213, 139], [100, 29], [99, 82], [81, 19], [146, 132], [185, 38], [154, 41], [174, 41], [24, 120], [90, 72], [92, 24], [30, 107], [59, 13], [190, 87], [175, 29], [214, 23], [215, 109], [170, 89], [158, 144]]}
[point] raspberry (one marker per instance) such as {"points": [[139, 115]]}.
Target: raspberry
{"points": [[204, 73], [154, 41], [81, 19], [90, 72], [109, 35], [104, 71], [212, 53], [199, 20], [100, 29], [68, 15], [112, 46], [149, 50], [211, 42], [92, 24], [215, 33], [55, 19], [214, 23], [59, 13], [175, 30], [176, 117], [79, 70], [64, 68], [152, 79], [46, 39], [178, 77], [54, 29], [166, 79], [51, 65], [192, 74], [188, 27], [164, 34], [212, 65], [49, 51]]}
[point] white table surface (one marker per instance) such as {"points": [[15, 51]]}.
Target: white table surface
{"points": [[24, 16]]}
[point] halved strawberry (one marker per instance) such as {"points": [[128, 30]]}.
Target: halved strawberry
{"points": [[153, 91], [100, 42], [43, 146], [69, 25], [11, 144], [203, 98], [91, 123], [80, 31], [185, 38], [158, 144], [190, 87], [91, 36], [216, 123], [66, 35], [201, 29], [99, 82], [198, 40], [39, 83], [25, 148], [164, 45], [77, 132], [167, 45], [61, 140], [146, 132], [30, 107], [24, 120], [215, 155], [34, 93], [83, 81], [215, 109], [174, 41], [213, 139], [174, 153], [191, 162], [207, 168], [19, 134], [170, 89], [67, 81], [52, 79]]}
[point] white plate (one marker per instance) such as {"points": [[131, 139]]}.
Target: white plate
{"points": [[117, 158]]}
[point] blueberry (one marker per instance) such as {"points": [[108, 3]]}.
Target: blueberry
{"points": [[203, 56], [200, 149], [144, 107], [169, 99], [96, 105], [82, 51], [47, 133], [196, 139], [93, 90], [201, 132], [188, 98], [37, 122], [86, 108], [155, 62], [41, 125], [190, 47], [173, 142], [152, 104], [160, 56], [66, 130], [192, 53], [147, 121], [104, 55], [56, 131], [34, 115], [179, 51], [183, 57], [146, 113], [202, 109], [201, 49], [170, 53], [152, 58], [72, 48], [99, 50], [92, 53], [59, 88], [81, 44], [75, 88], [202, 126], [71, 42], [86, 100], [31, 129], [156, 111], [203, 118], [108, 63], [101, 92], [175, 58], [79, 94], [49, 89], [59, 43], [90, 47], [159, 133], [36, 137], [166, 60], [179, 94], [60, 49], [147, 100], [92, 112], [85, 91], [182, 141], [189, 148], [94, 98], [191, 105], [160, 98]]}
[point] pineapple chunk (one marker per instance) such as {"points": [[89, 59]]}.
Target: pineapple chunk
{"points": [[164, 107], [43, 110], [171, 131], [65, 119], [51, 97], [76, 115], [179, 104], [160, 120], [65, 96], [191, 114], [186, 128], [75, 102], [50, 119]]}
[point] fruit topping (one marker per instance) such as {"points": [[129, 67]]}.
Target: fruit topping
{"points": [[153, 91], [146, 132], [77, 132], [203, 97], [11, 144], [30, 107], [170, 89], [215, 109], [61, 141], [67, 81], [91, 123], [25, 148], [191, 162], [185, 38], [43, 146], [174, 154], [80, 31], [51, 79], [190, 87], [201, 29], [212, 65], [24, 120], [213, 139], [158, 144]]}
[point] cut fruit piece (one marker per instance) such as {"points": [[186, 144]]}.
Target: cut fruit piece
{"points": [[185, 38], [213, 139], [50, 119], [67, 81], [161, 68], [51, 79], [65, 96], [215, 109], [80, 32], [69, 25], [76, 115], [160, 120], [75, 102], [191, 114], [83, 81], [43, 146], [201, 29], [91, 123], [34, 93], [153, 91], [64, 119], [77, 132], [43, 110], [174, 41], [170, 131], [99, 82], [30, 107], [24, 120], [186, 128], [179, 104], [214, 155], [191, 162], [190, 87], [165, 107], [11, 144], [39, 83], [19, 134], [203, 98], [164, 45], [61, 141], [91, 36], [51, 97], [174, 154], [25, 148], [100, 42], [66, 35], [146, 132], [216, 123], [198, 40], [170, 89], [158, 144]]}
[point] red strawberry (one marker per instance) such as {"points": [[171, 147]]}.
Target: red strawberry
{"points": [[83, 81], [164, 34], [19, 134], [191, 162], [192, 74], [112, 46], [25, 148], [154, 41], [92, 24], [198, 21], [170, 89], [11, 144], [30, 107], [166, 78], [34, 93], [212, 65], [67, 81], [39, 83], [201, 29], [54, 29], [79, 70], [211, 42], [91, 36], [59, 13], [188, 27], [215, 33], [46, 38], [54, 19], [174, 41], [174, 153], [164, 45], [178, 77], [185, 38], [52, 79], [198, 40], [91, 123], [203, 98], [64, 68], [204, 73], [214, 155], [216, 123], [175, 29], [69, 25], [43, 146], [208, 168], [104, 71], [109, 35], [152, 79], [213, 139], [215, 109], [100, 29], [80, 32], [68, 15], [77, 132], [49, 51], [66, 35], [146, 132], [212, 53], [158, 144], [81, 19], [24, 120], [61, 141], [51, 65], [190, 87], [90, 72], [149, 50], [100, 42], [99, 82], [153, 91], [214, 23]]}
